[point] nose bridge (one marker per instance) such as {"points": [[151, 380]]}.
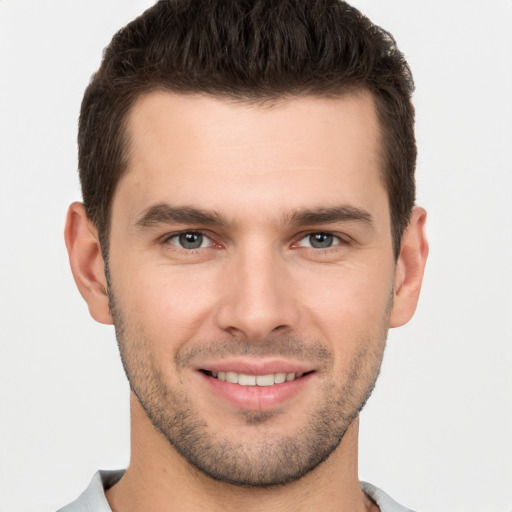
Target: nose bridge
{"points": [[258, 298]]}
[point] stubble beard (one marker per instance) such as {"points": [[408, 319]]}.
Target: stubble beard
{"points": [[260, 461]]}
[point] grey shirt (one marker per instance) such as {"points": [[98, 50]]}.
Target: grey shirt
{"points": [[93, 498]]}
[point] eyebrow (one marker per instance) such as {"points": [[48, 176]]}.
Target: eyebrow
{"points": [[163, 213], [330, 215]]}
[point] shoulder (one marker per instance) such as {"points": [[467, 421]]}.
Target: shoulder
{"points": [[384, 501], [93, 498]]}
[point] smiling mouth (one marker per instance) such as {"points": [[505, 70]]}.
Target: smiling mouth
{"points": [[243, 379]]}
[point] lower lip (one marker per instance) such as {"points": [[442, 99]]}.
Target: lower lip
{"points": [[256, 398]]}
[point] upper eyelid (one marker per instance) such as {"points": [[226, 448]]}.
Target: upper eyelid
{"points": [[339, 239], [176, 246], [174, 235], [171, 234], [342, 237]]}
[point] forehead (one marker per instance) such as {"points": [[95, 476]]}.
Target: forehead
{"points": [[190, 149]]}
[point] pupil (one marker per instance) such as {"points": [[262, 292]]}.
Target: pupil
{"points": [[191, 240], [321, 240]]}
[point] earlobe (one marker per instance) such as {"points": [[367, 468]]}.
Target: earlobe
{"points": [[86, 262], [409, 269]]}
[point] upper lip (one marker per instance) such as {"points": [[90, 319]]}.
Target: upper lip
{"points": [[255, 367]]}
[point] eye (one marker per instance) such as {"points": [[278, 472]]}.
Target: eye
{"points": [[319, 240], [190, 240]]}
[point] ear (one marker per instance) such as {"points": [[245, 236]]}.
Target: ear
{"points": [[86, 262], [409, 269]]}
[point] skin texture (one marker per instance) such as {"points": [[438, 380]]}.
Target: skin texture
{"points": [[258, 184]]}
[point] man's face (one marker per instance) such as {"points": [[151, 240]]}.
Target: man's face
{"points": [[251, 277]]}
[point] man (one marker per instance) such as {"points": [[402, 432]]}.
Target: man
{"points": [[249, 227]]}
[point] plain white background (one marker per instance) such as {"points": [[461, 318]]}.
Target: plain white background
{"points": [[436, 435]]}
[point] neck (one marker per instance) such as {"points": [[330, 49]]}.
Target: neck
{"points": [[159, 479]]}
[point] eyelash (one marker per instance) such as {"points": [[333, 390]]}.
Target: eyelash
{"points": [[176, 236], [339, 240]]}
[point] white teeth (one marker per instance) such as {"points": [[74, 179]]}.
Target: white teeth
{"points": [[256, 380], [246, 380], [265, 380], [279, 378], [232, 377]]}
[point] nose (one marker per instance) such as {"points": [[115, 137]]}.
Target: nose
{"points": [[257, 297]]}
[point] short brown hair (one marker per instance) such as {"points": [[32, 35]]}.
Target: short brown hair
{"points": [[250, 50]]}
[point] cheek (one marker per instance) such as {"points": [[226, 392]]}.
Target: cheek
{"points": [[169, 303], [343, 294], [350, 309]]}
